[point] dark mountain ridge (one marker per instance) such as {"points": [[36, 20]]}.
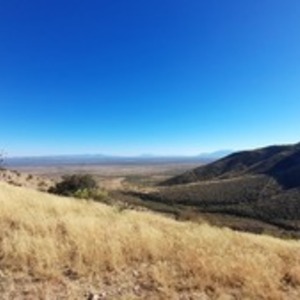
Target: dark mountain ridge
{"points": [[280, 162]]}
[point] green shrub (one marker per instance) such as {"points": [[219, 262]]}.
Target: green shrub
{"points": [[80, 186]]}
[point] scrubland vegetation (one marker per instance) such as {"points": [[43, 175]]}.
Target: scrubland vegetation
{"points": [[17, 178], [261, 185], [257, 198], [63, 247]]}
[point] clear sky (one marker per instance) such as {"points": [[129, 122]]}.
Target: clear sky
{"points": [[160, 76]]}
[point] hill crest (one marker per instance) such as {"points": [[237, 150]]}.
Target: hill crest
{"points": [[281, 162]]}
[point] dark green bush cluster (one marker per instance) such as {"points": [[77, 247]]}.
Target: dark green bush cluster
{"points": [[81, 186]]}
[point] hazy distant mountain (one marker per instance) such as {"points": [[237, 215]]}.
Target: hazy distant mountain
{"points": [[96, 159], [215, 155]]}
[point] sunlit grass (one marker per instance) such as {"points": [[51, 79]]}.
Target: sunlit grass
{"points": [[50, 237]]}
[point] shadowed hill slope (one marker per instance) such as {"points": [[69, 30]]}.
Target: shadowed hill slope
{"points": [[280, 162]]}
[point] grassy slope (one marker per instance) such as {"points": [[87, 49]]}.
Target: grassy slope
{"points": [[59, 248], [24, 179]]}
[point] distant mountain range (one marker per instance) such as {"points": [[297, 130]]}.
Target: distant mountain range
{"points": [[215, 155], [98, 159]]}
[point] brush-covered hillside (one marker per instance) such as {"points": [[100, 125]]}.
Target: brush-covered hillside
{"points": [[61, 248], [261, 185], [279, 162]]}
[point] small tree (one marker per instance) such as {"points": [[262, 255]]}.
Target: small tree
{"points": [[75, 185]]}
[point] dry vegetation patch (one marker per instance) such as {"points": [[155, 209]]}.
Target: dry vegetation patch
{"points": [[52, 241], [17, 178]]}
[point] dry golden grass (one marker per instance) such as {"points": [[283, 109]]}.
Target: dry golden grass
{"points": [[49, 240], [16, 178]]}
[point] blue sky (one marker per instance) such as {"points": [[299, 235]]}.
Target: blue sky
{"points": [[161, 77]]}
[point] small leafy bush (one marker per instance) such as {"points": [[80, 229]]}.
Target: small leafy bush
{"points": [[80, 186]]}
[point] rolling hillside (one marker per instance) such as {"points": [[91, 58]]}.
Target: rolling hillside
{"points": [[17, 178], [279, 162], [262, 185], [61, 248]]}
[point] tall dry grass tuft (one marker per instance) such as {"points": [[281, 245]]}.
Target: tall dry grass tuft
{"points": [[49, 237]]}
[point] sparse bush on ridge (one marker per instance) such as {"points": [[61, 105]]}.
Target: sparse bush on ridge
{"points": [[80, 186], [29, 177]]}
